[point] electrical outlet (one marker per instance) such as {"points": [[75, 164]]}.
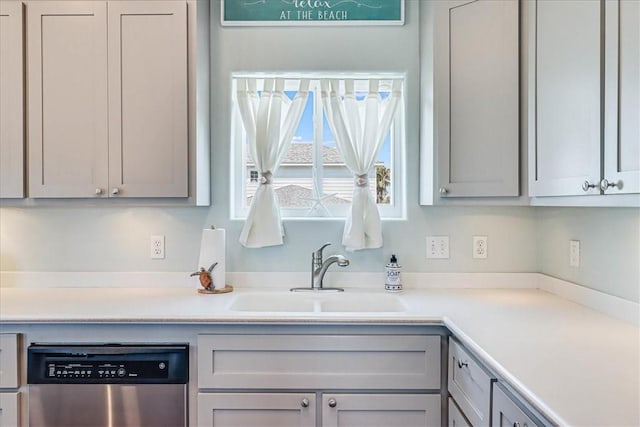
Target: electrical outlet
{"points": [[480, 247], [156, 247], [574, 253], [438, 247]]}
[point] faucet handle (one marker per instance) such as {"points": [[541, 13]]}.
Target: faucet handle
{"points": [[318, 253]]}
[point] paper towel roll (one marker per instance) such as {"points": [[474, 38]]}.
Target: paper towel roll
{"points": [[212, 249]]}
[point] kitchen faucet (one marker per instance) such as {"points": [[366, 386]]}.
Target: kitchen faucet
{"points": [[319, 268]]}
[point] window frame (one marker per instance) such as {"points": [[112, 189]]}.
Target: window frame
{"points": [[396, 210]]}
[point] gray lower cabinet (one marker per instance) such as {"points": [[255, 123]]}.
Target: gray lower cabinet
{"points": [[456, 417], [407, 410], [301, 409], [319, 380], [9, 381], [476, 98], [477, 397], [469, 387], [257, 409], [9, 409], [507, 413]]}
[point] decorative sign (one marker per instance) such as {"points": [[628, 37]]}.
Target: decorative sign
{"points": [[312, 12]]}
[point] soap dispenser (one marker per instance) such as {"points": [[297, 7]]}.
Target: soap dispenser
{"points": [[393, 283]]}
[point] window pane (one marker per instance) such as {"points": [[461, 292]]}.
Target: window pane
{"points": [[292, 182], [312, 173], [338, 180]]}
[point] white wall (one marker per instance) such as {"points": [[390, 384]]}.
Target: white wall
{"points": [[117, 239]]}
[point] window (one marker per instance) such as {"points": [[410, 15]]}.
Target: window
{"points": [[312, 180]]}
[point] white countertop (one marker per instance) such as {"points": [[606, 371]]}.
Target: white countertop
{"points": [[580, 367]]}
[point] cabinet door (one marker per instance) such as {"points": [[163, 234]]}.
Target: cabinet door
{"points": [[456, 418], [380, 410], [9, 409], [506, 413], [67, 86], [148, 135], [8, 361], [256, 409], [622, 96], [564, 97], [477, 95], [11, 105]]}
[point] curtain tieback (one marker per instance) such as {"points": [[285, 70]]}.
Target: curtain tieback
{"points": [[266, 177], [362, 180]]}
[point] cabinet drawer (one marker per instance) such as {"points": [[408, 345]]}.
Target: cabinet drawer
{"points": [[507, 413], [456, 419], [469, 385], [319, 361], [8, 361]]}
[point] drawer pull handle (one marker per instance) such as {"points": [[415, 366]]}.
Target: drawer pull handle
{"points": [[332, 403], [462, 364], [305, 403]]}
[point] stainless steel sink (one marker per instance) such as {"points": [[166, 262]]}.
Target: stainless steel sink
{"points": [[285, 302]]}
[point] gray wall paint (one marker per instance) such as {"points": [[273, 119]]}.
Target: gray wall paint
{"points": [[521, 239], [609, 245]]}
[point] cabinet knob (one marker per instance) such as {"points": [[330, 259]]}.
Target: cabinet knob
{"points": [[462, 364], [115, 191], [443, 191], [516, 424], [587, 185], [98, 191], [605, 184], [305, 403], [332, 403]]}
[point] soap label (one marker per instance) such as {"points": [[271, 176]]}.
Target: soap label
{"points": [[393, 282]]}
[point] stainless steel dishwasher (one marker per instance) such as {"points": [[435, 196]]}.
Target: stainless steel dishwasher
{"points": [[108, 385]]}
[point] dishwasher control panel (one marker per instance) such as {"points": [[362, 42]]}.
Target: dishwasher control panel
{"points": [[114, 369], [107, 364]]}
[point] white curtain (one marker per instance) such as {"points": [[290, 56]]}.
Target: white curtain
{"points": [[359, 129], [270, 120]]}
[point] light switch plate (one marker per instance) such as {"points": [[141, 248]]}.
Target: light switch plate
{"points": [[438, 247]]}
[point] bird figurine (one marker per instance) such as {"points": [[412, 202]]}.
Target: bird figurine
{"points": [[205, 277]]}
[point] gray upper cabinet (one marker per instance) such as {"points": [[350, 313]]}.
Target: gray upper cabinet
{"points": [[11, 101], [584, 95], [564, 97], [108, 111], [476, 98], [67, 102], [622, 97], [148, 132]]}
